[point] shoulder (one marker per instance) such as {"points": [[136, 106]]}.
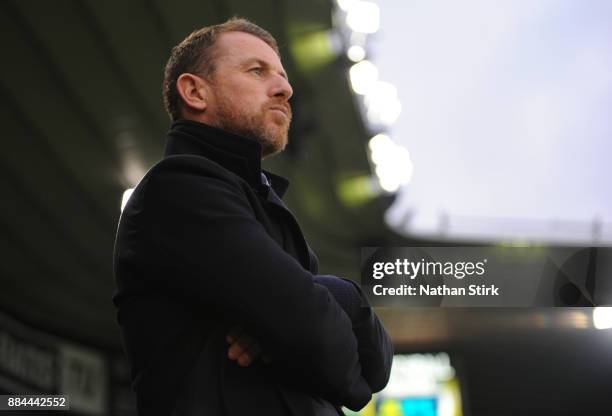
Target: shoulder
{"points": [[180, 178], [190, 170], [190, 165]]}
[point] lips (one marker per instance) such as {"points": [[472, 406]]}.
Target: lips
{"points": [[281, 108]]}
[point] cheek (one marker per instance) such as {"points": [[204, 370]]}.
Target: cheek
{"points": [[248, 99], [247, 91], [245, 97]]}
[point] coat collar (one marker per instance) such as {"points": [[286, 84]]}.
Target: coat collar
{"points": [[239, 155]]}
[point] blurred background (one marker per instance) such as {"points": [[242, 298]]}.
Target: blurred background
{"points": [[416, 123]]}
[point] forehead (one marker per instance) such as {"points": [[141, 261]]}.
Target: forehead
{"points": [[238, 47]]}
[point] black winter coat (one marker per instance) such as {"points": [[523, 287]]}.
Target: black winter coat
{"points": [[203, 245]]}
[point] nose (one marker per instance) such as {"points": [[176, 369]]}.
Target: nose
{"points": [[281, 87]]}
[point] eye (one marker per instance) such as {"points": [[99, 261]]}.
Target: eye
{"points": [[256, 70]]}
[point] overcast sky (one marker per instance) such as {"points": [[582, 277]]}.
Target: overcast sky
{"points": [[506, 113]]}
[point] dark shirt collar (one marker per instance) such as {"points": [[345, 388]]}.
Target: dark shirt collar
{"points": [[237, 154]]}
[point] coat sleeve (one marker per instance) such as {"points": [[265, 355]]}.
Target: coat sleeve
{"points": [[374, 344], [222, 258]]}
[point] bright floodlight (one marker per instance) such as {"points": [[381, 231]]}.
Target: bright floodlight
{"points": [[393, 164], [602, 317], [381, 146], [363, 76], [356, 53], [126, 196], [382, 103], [387, 178], [363, 17]]}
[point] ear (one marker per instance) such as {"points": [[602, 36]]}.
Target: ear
{"points": [[193, 91]]}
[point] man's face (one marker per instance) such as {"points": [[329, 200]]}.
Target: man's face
{"points": [[249, 91]]}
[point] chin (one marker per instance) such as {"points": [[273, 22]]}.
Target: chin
{"points": [[271, 147], [274, 139]]}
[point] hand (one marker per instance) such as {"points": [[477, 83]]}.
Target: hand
{"points": [[243, 348]]}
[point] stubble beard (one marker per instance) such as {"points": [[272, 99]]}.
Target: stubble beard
{"points": [[271, 135]]}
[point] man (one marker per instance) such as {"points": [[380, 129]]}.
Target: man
{"points": [[220, 305]]}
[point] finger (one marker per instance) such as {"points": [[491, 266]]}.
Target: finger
{"points": [[240, 346], [235, 350], [240, 342], [245, 360], [250, 355]]}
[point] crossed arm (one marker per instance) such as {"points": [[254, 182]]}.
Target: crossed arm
{"points": [[223, 256], [374, 345]]}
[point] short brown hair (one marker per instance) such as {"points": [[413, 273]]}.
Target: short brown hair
{"points": [[194, 55]]}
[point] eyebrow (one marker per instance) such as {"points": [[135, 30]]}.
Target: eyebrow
{"points": [[265, 65]]}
